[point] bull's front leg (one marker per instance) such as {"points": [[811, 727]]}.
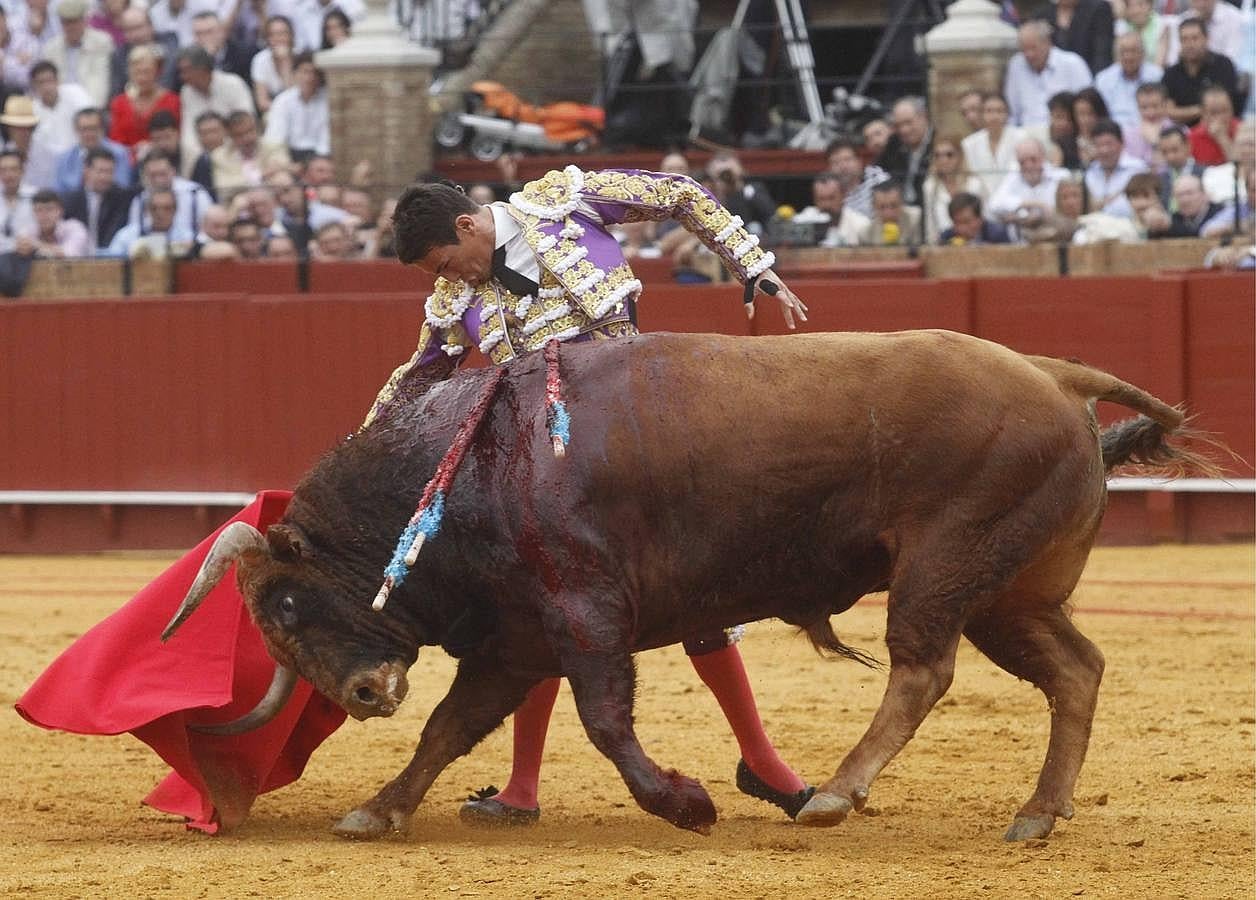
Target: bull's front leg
{"points": [[602, 684], [480, 698]]}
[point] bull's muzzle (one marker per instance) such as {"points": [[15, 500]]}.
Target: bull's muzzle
{"points": [[376, 692]]}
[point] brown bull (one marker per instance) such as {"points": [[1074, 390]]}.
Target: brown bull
{"points": [[711, 481]]}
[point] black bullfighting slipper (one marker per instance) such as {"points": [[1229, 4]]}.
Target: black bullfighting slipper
{"points": [[750, 783], [482, 810]]}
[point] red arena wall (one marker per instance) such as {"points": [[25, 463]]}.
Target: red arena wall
{"points": [[222, 390]]}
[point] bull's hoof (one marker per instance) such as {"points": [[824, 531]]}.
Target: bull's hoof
{"points": [[750, 783], [367, 825], [1025, 828], [824, 811]]}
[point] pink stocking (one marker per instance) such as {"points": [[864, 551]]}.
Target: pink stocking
{"points": [[531, 722]]}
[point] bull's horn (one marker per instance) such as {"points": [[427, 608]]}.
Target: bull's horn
{"points": [[267, 708], [236, 541]]}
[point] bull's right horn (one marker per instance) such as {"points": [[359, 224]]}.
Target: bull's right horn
{"points": [[238, 541]]}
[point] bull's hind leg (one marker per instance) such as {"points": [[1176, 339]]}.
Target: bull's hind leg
{"points": [[480, 698], [1042, 646], [602, 684]]}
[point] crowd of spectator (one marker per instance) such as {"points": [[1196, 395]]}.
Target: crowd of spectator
{"points": [[175, 128], [1115, 122]]}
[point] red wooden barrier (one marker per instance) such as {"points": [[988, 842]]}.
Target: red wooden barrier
{"points": [[235, 393]]}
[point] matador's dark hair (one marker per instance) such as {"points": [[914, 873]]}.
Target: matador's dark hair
{"points": [[424, 219]]}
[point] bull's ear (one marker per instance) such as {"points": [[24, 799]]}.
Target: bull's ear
{"points": [[287, 542]]}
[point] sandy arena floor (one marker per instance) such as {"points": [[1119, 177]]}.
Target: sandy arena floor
{"points": [[1165, 805]]}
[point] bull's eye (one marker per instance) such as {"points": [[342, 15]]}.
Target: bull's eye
{"points": [[288, 609]]}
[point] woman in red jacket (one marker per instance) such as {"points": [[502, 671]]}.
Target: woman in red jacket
{"points": [[131, 110]]}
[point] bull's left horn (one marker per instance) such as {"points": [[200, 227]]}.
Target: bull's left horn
{"points": [[267, 708], [237, 541]]}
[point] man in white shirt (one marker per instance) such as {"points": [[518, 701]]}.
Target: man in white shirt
{"points": [[157, 236], [1028, 193], [1110, 171], [16, 214], [1039, 71], [1118, 84], [21, 120], [56, 105], [1225, 26], [158, 173], [844, 226], [205, 89], [80, 53], [299, 117], [175, 17]]}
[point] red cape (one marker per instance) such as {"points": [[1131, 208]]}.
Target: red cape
{"points": [[119, 677]]}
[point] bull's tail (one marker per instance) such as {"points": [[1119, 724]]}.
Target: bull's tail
{"points": [[1143, 440], [826, 642]]}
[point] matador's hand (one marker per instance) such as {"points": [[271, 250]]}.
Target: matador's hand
{"points": [[790, 304]]}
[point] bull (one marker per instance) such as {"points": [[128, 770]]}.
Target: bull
{"points": [[712, 481]]}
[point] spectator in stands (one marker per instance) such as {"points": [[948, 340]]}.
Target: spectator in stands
{"points": [[107, 18], [1150, 217], [56, 105], [948, 176], [1212, 140], [967, 224], [158, 173], [1039, 71], [857, 181], [18, 51], [20, 120], [1194, 208], [53, 236], [175, 17], [1088, 110], [101, 204], [16, 214], [1084, 27], [1119, 82], [1142, 140], [1197, 68], [1236, 218], [281, 247], [211, 133], [1111, 170], [481, 194], [89, 125], [748, 199], [205, 89], [876, 134], [906, 155], [155, 235], [845, 226], [1055, 225], [299, 118], [1062, 131], [246, 159], [970, 108], [261, 206], [385, 237], [336, 27], [893, 223], [35, 20], [137, 29], [81, 54], [215, 225], [247, 237], [990, 153], [1225, 26], [1027, 195], [333, 242], [208, 33], [1175, 152], [1142, 19], [318, 171], [132, 110], [272, 67]]}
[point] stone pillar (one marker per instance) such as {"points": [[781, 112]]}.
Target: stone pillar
{"points": [[377, 86], [968, 51]]}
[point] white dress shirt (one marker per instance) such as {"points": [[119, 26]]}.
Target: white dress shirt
{"points": [[16, 216], [308, 20], [1225, 31], [227, 93], [1118, 91], [991, 167], [1015, 192], [1028, 91], [56, 123], [300, 124], [179, 23], [1102, 184]]}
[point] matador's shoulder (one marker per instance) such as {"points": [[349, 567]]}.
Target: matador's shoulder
{"points": [[553, 196]]}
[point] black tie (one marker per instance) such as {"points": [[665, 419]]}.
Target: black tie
{"points": [[517, 284]]}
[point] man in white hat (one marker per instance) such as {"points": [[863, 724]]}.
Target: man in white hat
{"points": [[21, 119], [81, 53]]}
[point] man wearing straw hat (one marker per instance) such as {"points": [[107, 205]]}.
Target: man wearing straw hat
{"points": [[19, 120]]}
